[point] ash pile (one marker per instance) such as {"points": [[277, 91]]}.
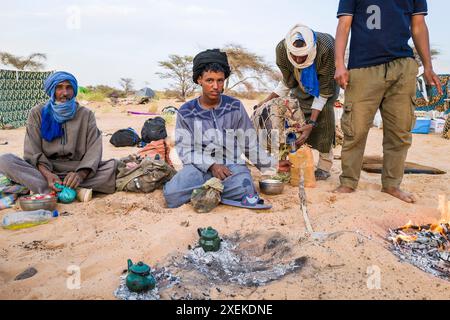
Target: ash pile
{"points": [[164, 280], [426, 247], [246, 261]]}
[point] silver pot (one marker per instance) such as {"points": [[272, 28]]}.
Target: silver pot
{"points": [[271, 187], [44, 204]]}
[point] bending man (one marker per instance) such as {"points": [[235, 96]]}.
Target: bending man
{"points": [[306, 60]]}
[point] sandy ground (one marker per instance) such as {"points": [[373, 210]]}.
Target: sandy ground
{"points": [[101, 235]]}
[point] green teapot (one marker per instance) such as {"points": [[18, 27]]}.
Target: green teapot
{"points": [[139, 277], [209, 239]]}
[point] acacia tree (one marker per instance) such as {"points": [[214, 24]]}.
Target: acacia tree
{"points": [[33, 62], [179, 70], [127, 85], [248, 69]]}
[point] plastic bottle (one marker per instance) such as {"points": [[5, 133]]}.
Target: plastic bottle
{"points": [[27, 219], [295, 169], [303, 159]]}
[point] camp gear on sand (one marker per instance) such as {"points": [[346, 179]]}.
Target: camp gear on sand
{"points": [[303, 159], [251, 201], [374, 164], [170, 110], [125, 138], [206, 198], [155, 148], [209, 239], [321, 175], [144, 176], [9, 192], [66, 195], [38, 202], [154, 130], [271, 187], [27, 219], [446, 132], [139, 277], [84, 195], [140, 113]]}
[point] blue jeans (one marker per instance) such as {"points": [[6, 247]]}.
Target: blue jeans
{"points": [[178, 191]]}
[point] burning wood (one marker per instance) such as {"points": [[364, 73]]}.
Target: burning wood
{"points": [[426, 247]]}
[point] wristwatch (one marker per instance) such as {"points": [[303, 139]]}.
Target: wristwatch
{"points": [[313, 123]]}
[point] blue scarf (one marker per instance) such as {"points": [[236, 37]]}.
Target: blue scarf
{"points": [[54, 115], [310, 80]]}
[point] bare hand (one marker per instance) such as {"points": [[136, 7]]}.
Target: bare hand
{"points": [[73, 180], [305, 133], [342, 77], [432, 79], [220, 171], [284, 166], [51, 180]]}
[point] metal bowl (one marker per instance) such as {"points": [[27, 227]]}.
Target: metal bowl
{"points": [[271, 187], [27, 204]]}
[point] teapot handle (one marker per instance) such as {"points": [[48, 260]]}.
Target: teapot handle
{"points": [[130, 264], [199, 230]]}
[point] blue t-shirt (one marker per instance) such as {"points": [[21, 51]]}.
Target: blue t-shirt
{"points": [[380, 30]]}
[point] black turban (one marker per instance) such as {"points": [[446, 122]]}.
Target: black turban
{"points": [[207, 57]]}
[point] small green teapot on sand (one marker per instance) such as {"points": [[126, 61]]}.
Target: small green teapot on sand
{"points": [[209, 239], [139, 277]]}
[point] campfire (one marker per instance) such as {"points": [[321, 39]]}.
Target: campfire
{"points": [[426, 247]]}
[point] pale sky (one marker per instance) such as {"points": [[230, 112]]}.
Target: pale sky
{"points": [[101, 41]]}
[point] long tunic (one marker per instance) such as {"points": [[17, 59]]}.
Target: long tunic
{"points": [[221, 135], [79, 148], [322, 138]]}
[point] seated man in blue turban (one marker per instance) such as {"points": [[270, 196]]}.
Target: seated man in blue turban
{"points": [[62, 145]]}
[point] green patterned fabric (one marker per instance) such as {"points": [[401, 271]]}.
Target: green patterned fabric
{"points": [[19, 92]]}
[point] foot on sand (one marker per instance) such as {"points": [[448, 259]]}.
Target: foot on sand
{"points": [[343, 189], [398, 193]]}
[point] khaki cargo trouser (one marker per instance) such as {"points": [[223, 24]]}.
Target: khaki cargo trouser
{"points": [[391, 88]]}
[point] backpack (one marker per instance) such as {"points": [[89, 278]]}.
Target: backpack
{"points": [[143, 176], [125, 138], [160, 148], [154, 130]]}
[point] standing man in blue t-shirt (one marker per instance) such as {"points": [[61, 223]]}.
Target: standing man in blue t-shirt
{"points": [[381, 74]]}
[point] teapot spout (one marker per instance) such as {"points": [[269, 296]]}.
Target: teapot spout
{"points": [[130, 264]]}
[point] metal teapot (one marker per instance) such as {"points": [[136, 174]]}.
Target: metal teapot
{"points": [[139, 277], [209, 239]]}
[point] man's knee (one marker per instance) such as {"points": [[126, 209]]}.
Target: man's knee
{"points": [[239, 184], [6, 160], [188, 177]]}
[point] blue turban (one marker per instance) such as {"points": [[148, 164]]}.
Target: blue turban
{"points": [[54, 115]]}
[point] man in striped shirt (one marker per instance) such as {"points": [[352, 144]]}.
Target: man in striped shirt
{"points": [[306, 61]]}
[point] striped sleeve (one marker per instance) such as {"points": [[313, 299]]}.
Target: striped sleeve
{"points": [[420, 7], [347, 8], [325, 64]]}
